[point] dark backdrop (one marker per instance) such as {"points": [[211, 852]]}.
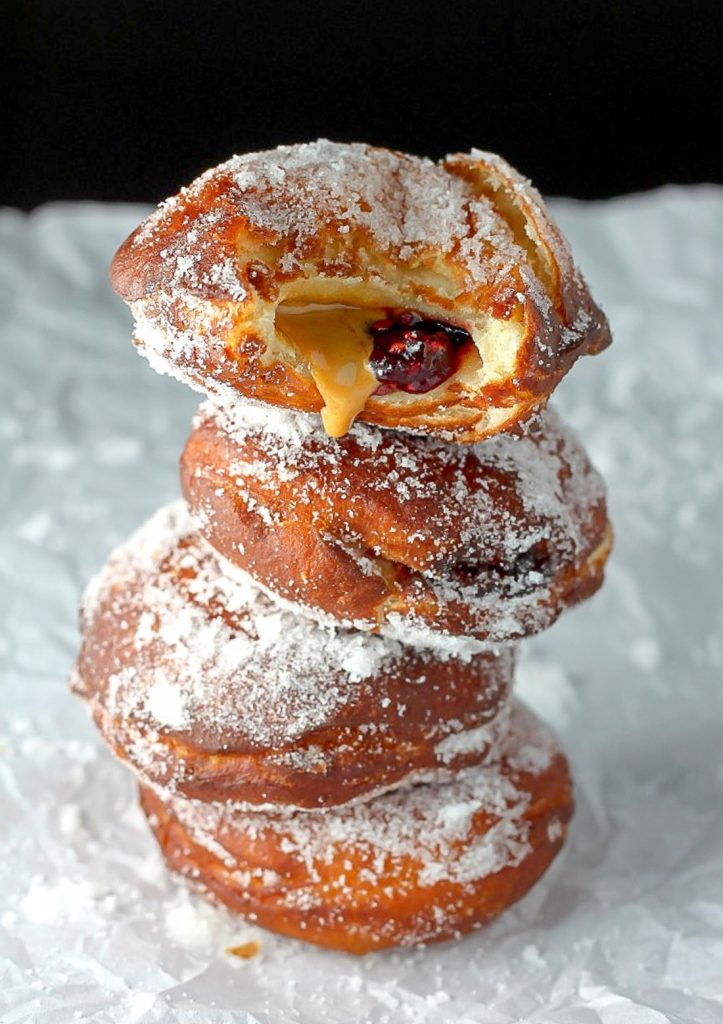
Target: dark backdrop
{"points": [[129, 100]]}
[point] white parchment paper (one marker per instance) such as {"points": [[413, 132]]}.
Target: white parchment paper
{"points": [[628, 926]]}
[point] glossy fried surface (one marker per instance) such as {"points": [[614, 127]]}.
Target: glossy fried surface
{"points": [[402, 534], [418, 865], [202, 684]]}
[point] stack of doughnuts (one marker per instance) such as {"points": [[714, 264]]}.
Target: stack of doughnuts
{"points": [[308, 661]]}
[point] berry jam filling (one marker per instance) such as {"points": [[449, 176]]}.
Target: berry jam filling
{"points": [[413, 354], [522, 572]]}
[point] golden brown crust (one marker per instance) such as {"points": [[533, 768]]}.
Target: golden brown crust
{"points": [[467, 239], [391, 531], [201, 684], [420, 865]]}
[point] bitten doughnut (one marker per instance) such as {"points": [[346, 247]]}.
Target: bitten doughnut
{"points": [[408, 536], [203, 685], [362, 282], [418, 865]]}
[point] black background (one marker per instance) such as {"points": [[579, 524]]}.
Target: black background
{"points": [[114, 100]]}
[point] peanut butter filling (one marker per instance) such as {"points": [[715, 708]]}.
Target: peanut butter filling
{"points": [[336, 343]]}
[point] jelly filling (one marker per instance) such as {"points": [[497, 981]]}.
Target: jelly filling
{"points": [[413, 354]]}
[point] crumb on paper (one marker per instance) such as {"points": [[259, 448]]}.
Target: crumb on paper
{"points": [[246, 950]]}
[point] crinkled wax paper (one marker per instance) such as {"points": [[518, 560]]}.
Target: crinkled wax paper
{"points": [[627, 928]]}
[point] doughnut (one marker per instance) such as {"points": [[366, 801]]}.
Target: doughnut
{"points": [[403, 535], [204, 686], [418, 865], [362, 283]]}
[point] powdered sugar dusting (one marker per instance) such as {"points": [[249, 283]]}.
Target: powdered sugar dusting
{"points": [[492, 734], [205, 654], [304, 670], [166, 704], [406, 204], [496, 527], [436, 827]]}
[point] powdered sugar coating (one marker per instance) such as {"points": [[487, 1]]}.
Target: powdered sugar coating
{"points": [[466, 238], [496, 539], [197, 679], [436, 827], [208, 652], [406, 205]]}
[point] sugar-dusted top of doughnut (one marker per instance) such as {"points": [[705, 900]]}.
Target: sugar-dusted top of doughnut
{"points": [[176, 639], [544, 462], [503, 528], [300, 193], [343, 207]]}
